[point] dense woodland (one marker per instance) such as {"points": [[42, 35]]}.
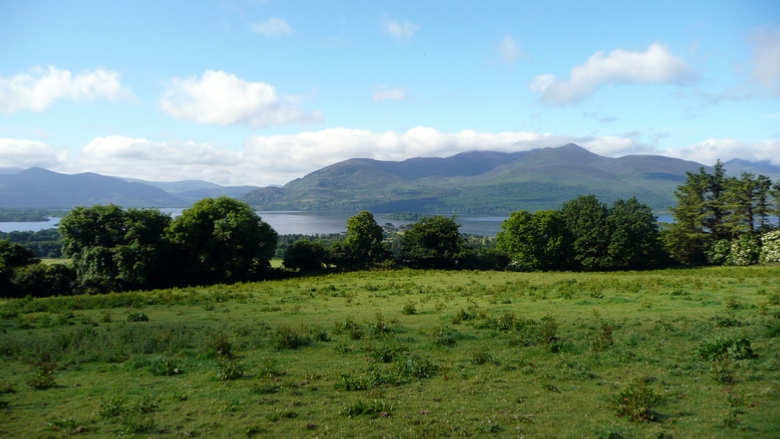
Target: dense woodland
{"points": [[719, 220]]}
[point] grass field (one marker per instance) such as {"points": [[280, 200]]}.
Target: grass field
{"points": [[679, 353]]}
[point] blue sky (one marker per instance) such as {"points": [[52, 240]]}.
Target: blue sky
{"points": [[261, 92]]}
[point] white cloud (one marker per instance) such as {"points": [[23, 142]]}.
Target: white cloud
{"points": [[37, 90], [224, 99], [711, 150], [400, 31], [28, 153], [389, 94], [272, 27], [265, 160], [653, 66], [766, 57], [509, 50]]}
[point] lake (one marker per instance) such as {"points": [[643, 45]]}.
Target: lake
{"points": [[311, 223]]}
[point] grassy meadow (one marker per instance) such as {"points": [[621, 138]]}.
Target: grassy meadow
{"points": [[658, 354]]}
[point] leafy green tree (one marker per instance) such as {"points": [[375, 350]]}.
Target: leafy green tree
{"points": [[116, 249], [363, 246], [434, 242], [14, 255], [716, 203], [634, 238], [538, 241], [40, 280], [586, 218], [305, 256], [220, 239]]}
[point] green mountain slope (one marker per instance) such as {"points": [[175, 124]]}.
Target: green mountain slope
{"points": [[480, 182]]}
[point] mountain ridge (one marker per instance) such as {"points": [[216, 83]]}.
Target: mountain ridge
{"points": [[536, 179]]}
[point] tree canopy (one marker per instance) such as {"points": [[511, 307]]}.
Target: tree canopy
{"points": [[363, 246], [305, 256], [535, 241], [221, 239], [112, 248], [433, 242]]}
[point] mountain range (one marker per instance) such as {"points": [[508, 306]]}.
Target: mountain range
{"points": [[481, 182], [469, 182], [41, 188]]}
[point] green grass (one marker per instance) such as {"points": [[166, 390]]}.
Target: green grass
{"points": [[52, 261], [485, 354]]}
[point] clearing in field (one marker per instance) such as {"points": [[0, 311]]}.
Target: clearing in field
{"points": [[676, 353]]}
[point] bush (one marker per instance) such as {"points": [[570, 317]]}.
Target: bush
{"points": [[770, 247], [305, 256], [287, 338], [410, 308], [44, 377], [742, 251], [726, 348], [636, 401], [229, 370], [372, 409], [138, 317], [164, 367]]}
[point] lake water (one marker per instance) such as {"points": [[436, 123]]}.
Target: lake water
{"points": [[311, 223]]}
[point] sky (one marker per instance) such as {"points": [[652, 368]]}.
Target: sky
{"points": [[262, 92]]}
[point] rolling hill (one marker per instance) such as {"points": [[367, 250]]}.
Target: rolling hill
{"points": [[191, 191], [480, 182], [40, 188]]}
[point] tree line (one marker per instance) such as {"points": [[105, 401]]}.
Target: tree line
{"points": [[718, 220]]}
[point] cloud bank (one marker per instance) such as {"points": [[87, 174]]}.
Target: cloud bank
{"points": [[37, 90], [29, 153], [653, 66], [265, 160], [223, 99]]}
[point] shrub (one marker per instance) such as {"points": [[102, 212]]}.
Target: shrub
{"points": [[44, 377], [138, 317], [462, 316], [443, 336], [287, 338], [415, 367], [636, 401], [164, 367], [133, 425], [385, 353], [221, 347], [726, 348], [770, 247], [379, 328], [319, 334], [282, 414], [372, 409], [111, 408], [410, 308], [229, 370], [481, 356]]}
